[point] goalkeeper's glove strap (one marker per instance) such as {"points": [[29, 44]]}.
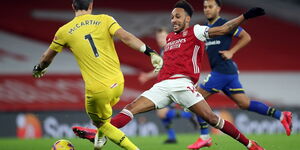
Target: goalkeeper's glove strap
{"points": [[148, 51], [37, 68]]}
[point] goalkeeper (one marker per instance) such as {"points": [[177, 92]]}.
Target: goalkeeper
{"points": [[90, 38]]}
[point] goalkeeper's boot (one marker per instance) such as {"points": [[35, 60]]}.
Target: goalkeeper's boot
{"points": [[200, 143], [287, 122], [85, 133], [99, 142], [255, 146]]}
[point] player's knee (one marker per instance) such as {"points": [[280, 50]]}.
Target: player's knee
{"points": [[98, 124], [129, 107], [96, 120], [162, 113], [211, 118]]}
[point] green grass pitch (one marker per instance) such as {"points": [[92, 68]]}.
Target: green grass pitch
{"points": [[220, 142]]}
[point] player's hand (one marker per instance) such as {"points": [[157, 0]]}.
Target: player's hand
{"points": [[38, 72], [156, 61], [254, 12], [226, 54]]}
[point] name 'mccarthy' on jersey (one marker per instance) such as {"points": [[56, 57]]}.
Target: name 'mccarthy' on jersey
{"points": [[183, 53], [89, 37]]}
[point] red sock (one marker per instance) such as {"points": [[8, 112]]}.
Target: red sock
{"points": [[120, 120], [232, 131]]}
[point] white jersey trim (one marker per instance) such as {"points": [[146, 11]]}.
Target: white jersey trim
{"points": [[201, 32], [194, 59]]}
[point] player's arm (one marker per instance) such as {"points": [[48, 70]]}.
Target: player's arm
{"points": [[135, 43], [129, 39], [244, 39], [234, 23], [45, 60]]}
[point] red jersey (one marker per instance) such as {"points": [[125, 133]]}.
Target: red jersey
{"points": [[183, 53]]}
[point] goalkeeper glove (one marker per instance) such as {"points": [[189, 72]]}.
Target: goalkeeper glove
{"points": [[38, 72], [156, 60], [254, 12]]}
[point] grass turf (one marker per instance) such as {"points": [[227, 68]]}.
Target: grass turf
{"points": [[220, 142]]}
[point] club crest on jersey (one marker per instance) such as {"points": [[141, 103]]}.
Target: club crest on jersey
{"points": [[184, 33]]}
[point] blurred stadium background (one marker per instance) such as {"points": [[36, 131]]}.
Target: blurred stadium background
{"points": [[49, 107]]}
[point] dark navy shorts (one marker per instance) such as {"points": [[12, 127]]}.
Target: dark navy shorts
{"points": [[228, 83]]}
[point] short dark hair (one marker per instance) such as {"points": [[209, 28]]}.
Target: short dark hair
{"points": [[218, 2], [188, 8], [81, 4]]}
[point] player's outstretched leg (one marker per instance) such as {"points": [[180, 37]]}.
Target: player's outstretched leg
{"points": [[202, 109], [204, 140]]}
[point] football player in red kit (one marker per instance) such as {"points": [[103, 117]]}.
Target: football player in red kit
{"points": [[181, 70]]}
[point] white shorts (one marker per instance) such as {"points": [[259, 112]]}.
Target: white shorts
{"points": [[180, 91]]}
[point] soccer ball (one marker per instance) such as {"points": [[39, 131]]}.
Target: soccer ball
{"points": [[62, 145]]}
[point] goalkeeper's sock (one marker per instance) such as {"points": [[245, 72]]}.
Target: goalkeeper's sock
{"points": [[203, 128], [121, 119], [117, 136], [168, 126], [264, 109]]}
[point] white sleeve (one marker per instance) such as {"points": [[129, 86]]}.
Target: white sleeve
{"points": [[201, 32]]}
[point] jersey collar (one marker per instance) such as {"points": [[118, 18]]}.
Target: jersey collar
{"points": [[213, 22]]}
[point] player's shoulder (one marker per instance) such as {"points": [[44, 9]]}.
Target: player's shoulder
{"points": [[68, 24], [64, 27], [221, 20], [104, 16]]}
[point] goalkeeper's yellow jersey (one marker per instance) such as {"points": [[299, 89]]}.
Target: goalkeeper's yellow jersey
{"points": [[90, 39]]}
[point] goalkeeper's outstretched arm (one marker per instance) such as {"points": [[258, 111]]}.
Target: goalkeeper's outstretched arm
{"points": [[40, 69], [135, 43]]}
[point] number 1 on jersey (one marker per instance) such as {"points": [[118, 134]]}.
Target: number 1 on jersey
{"points": [[91, 41]]}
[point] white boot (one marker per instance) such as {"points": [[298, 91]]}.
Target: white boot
{"points": [[99, 142]]}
